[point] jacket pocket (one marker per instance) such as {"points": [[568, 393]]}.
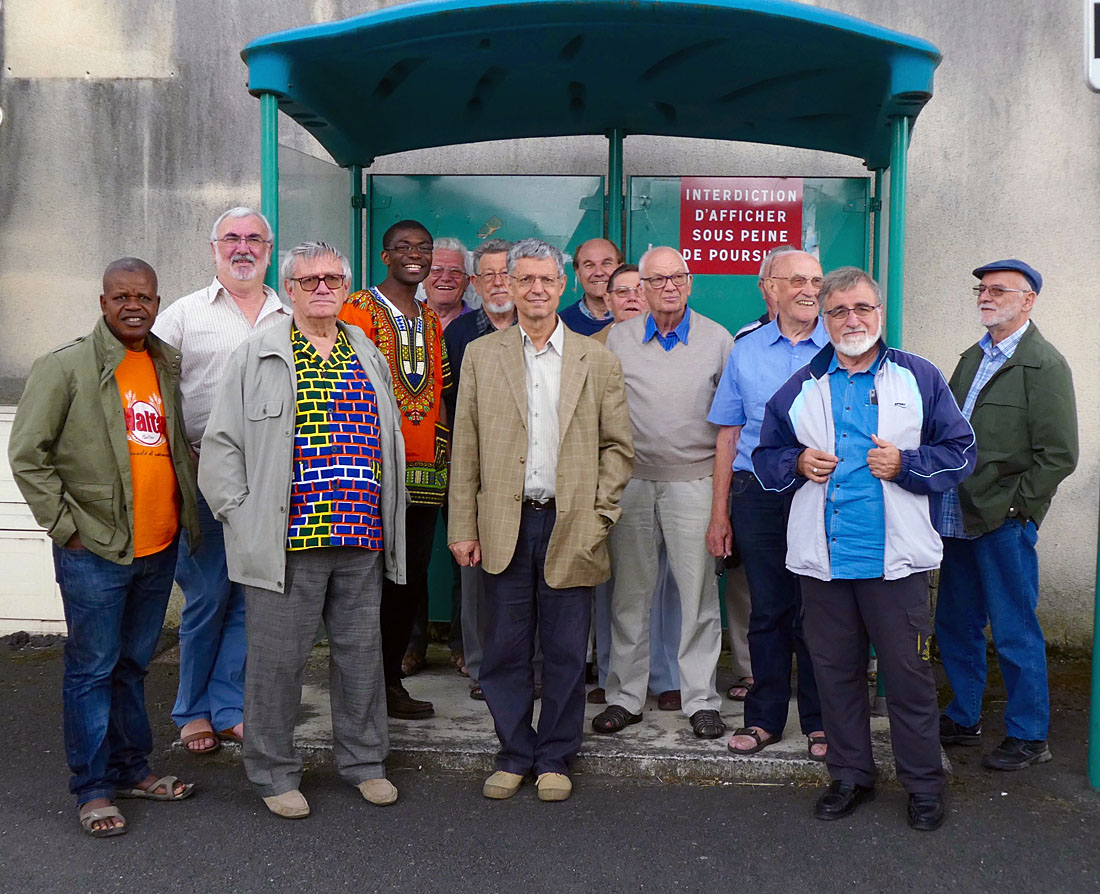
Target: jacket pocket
{"points": [[264, 409]]}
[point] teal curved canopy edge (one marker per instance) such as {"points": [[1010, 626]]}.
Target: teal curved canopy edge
{"points": [[438, 73]]}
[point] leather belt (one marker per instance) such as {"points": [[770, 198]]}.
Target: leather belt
{"points": [[536, 504]]}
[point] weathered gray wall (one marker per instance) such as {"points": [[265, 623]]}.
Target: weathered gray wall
{"points": [[127, 128]]}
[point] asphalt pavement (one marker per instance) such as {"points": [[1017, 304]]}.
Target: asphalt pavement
{"points": [[1035, 830]]}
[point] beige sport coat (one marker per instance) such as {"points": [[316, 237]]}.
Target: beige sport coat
{"points": [[595, 455]]}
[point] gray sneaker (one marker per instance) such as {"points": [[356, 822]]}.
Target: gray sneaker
{"points": [[1015, 754]]}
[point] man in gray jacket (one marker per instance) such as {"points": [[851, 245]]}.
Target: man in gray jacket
{"points": [[304, 464]]}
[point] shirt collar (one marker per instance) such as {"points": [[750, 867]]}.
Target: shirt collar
{"points": [[588, 313], [1006, 346], [216, 288], [680, 332], [556, 341], [819, 336]]}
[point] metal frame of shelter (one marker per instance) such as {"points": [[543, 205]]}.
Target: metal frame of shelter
{"points": [[760, 71]]}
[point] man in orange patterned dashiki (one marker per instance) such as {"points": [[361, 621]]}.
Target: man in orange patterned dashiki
{"points": [[410, 336]]}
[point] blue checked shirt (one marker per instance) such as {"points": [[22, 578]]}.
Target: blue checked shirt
{"points": [[668, 342], [995, 355]]}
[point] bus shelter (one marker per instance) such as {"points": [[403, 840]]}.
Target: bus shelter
{"points": [[758, 71]]}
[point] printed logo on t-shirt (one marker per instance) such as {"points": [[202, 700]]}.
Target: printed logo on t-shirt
{"points": [[145, 423]]}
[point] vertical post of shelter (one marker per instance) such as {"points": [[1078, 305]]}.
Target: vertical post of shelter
{"points": [[1094, 698], [356, 256], [895, 299], [269, 178], [615, 186], [876, 227]]}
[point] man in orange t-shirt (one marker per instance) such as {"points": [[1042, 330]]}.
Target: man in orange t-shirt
{"points": [[111, 484], [409, 335]]}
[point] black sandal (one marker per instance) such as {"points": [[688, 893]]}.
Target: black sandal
{"points": [[614, 719], [707, 724], [811, 741], [743, 683], [761, 743]]}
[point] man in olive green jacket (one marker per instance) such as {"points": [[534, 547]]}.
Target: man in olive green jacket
{"points": [[99, 452], [1017, 392]]}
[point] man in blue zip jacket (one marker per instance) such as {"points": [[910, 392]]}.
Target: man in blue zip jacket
{"points": [[863, 435]]}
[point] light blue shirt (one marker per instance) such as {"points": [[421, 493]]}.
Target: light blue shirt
{"points": [[994, 356], [757, 367], [855, 516], [668, 342]]}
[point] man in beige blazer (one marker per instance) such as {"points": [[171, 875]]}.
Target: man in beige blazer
{"points": [[542, 452]]}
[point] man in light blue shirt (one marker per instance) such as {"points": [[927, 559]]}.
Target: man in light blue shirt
{"points": [[759, 364]]}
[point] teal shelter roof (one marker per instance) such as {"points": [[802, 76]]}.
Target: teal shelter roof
{"points": [[444, 72]]}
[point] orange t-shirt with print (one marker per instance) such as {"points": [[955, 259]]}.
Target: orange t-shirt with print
{"points": [[152, 475]]}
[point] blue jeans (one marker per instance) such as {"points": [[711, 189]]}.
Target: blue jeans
{"points": [[212, 646], [994, 579], [114, 614]]}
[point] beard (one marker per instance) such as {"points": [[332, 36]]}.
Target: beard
{"points": [[501, 307], [244, 274], [851, 347]]}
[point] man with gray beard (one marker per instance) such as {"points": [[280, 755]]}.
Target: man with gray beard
{"points": [[862, 436], [207, 326]]}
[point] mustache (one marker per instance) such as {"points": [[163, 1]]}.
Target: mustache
{"points": [[242, 256]]}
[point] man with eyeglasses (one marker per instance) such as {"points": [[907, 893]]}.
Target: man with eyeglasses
{"points": [[860, 438], [497, 311], [758, 365], [207, 326], [303, 462], [542, 452], [1017, 391], [448, 277], [593, 262], [410, 337], [672, 360], [99, 452]]}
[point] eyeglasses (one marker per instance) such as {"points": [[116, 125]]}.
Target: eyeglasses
{"points": [[490, 276], [658, 281], [623, 291], [456, 272], [860, 310], [528, 281], [310, 283], [798, 281], [252, 241], [407, 248], [995, 291]]}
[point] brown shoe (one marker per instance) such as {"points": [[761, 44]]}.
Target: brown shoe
{"points": [[669, 700], [596, 696], [403, 706]]}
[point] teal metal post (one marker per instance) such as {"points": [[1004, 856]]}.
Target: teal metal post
{"points": [[1094, 700], [615, 186], [876, 227], [895, 299], [356, 257], [269, 177]]}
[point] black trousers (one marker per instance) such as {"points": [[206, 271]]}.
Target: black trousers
{"points": [[841, 618], [518, 604], [400, 601]]}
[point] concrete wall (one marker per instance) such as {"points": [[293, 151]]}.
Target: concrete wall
{"points": [[127, 128]]}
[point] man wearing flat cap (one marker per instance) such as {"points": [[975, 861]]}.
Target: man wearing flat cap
{"points": [[1017, 392]]}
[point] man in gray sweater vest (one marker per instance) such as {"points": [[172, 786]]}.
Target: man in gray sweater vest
{"points": [[672, 361]]}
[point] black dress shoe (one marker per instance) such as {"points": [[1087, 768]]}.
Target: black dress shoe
{"points": [[1015, 754], [926, 812], [403, 706], [841, 799]]}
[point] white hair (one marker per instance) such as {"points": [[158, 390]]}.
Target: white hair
{"points": [[239, 212]]}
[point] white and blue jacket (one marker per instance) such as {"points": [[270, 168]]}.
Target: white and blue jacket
{"points": [[916, 413]]}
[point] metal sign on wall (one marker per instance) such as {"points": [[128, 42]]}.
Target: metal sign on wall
{"points": [[729, 224]]}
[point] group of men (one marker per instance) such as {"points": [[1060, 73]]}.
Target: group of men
{"points": [[585, 476]]}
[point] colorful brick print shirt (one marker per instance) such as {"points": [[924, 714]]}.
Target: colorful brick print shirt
{"points": [[336, 485], [414, 349]]}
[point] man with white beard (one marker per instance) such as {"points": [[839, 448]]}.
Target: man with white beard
{"points": [[862, 436], [207, 326]]}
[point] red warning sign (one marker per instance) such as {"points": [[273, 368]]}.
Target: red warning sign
{"points": [[729, 224]]}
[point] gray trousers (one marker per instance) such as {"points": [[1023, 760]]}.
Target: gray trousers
{"points": [[343, 586], [839, 618]]}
